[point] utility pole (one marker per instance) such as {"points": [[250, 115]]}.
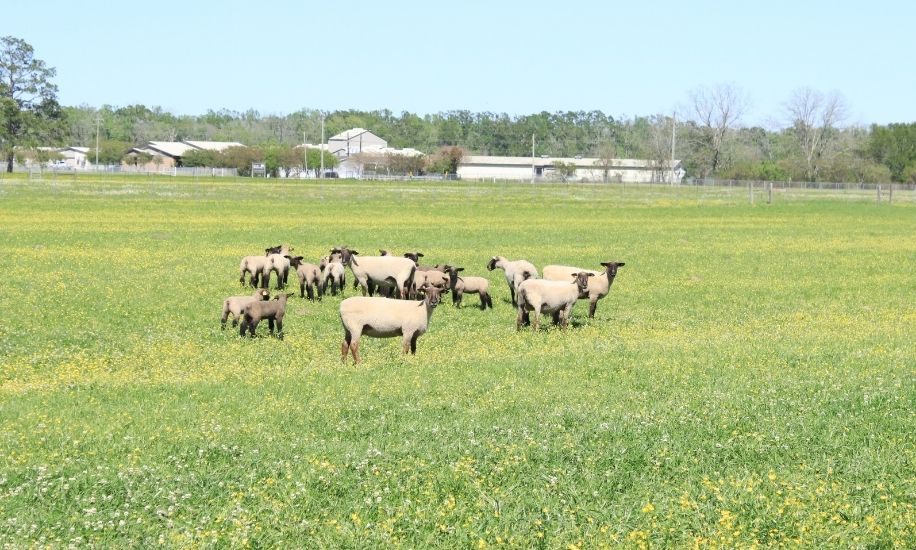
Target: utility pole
{"points": [[305, 155], [532, 158], [98, 124], [673, 141], [321, 145]]}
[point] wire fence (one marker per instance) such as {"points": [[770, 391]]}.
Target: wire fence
{"points": [[698, 191]]}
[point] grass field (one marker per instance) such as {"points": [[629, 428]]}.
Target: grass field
{"points": [[749, 380]]}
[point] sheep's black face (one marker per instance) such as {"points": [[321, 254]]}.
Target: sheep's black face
{"points": [[612, 267], [432, 295], [492, 264], [581, 280]]}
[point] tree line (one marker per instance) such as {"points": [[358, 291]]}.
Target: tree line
{"points": [[708, 132]]}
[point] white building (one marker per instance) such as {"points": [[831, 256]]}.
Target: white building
{"points": [[353, 141], [478, 167]]}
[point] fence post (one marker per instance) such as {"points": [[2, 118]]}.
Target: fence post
{"points": [[769, 192], [878, 189], [890, 193], [750, 191]]}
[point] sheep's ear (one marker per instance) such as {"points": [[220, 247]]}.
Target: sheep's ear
{"points": [[459, 269], [287, 256], [591, 274], [353, 252], [621, 264], [419, 254]]}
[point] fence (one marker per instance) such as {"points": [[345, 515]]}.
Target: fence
{"points": [[36, 171]]}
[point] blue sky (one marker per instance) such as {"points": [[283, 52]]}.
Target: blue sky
{"points": [[624, 58]]}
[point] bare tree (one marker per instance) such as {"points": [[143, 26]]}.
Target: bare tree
{"points": [[716, 113], [659, 147], [814, 117]]}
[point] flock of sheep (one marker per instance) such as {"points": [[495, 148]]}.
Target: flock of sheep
{"points": [[408, 292]]}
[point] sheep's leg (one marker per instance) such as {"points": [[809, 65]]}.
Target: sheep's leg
{"points": [[280, 328], [413, 343], [557, 319], [253, 326], [483, 301], [354, 349], [235, 321], [537, 317], [222, 321], [512, 294], [343, 284], [310, 291], [301, 289], [368, 287], [405, 343], [242, 278], [345, 346], [244, 326], [592, 306], [270, 325], [521, 318]]}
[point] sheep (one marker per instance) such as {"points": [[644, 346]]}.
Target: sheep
{"points": [[236, 305], [309, 278], [382, 271], [598, 288], [556, 297], [432, 277], [273, 310], [278, 263], [468, 285], [385, 318], [254, 266], [516, 272], [332, 272]]}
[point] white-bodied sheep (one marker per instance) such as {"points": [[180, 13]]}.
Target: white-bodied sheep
{"points": [[555, 297], [516, 272], [272, 310], [598, 287], [382, 271], [385, 318], [468, 285], [236, 305], [333, 273], [278, 263], [254, 267], [309, 278]]}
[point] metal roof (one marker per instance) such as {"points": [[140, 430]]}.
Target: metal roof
{"points": [[213, 145], [350, 134], [171, 148]]}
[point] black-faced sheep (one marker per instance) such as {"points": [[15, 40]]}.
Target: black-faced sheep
{"points": [[598, 287], [516, 272], [554, 297], [272, 310], [309, 278], [385, 318], [468, 285], [254, 267], [381, 271], [235, 305], [333, 274]]}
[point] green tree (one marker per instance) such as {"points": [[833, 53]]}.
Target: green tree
{"points": [[28, 100], [110, 152], [564, 170], [894, 146], [203, 157]]}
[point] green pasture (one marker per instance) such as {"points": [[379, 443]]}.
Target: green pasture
{"points": [[750, 380]]}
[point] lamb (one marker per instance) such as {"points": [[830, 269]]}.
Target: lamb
{"points": [[556, 297], [431, 277], [254, 266], [382, 271], [236, 306], [273, 310], [332, 272], [278, 263], [385, 318], [516, 272], [598, 288], [468, 285], [309, 278]]}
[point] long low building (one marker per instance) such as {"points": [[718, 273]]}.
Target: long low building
{"points": [[586, 169]]}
